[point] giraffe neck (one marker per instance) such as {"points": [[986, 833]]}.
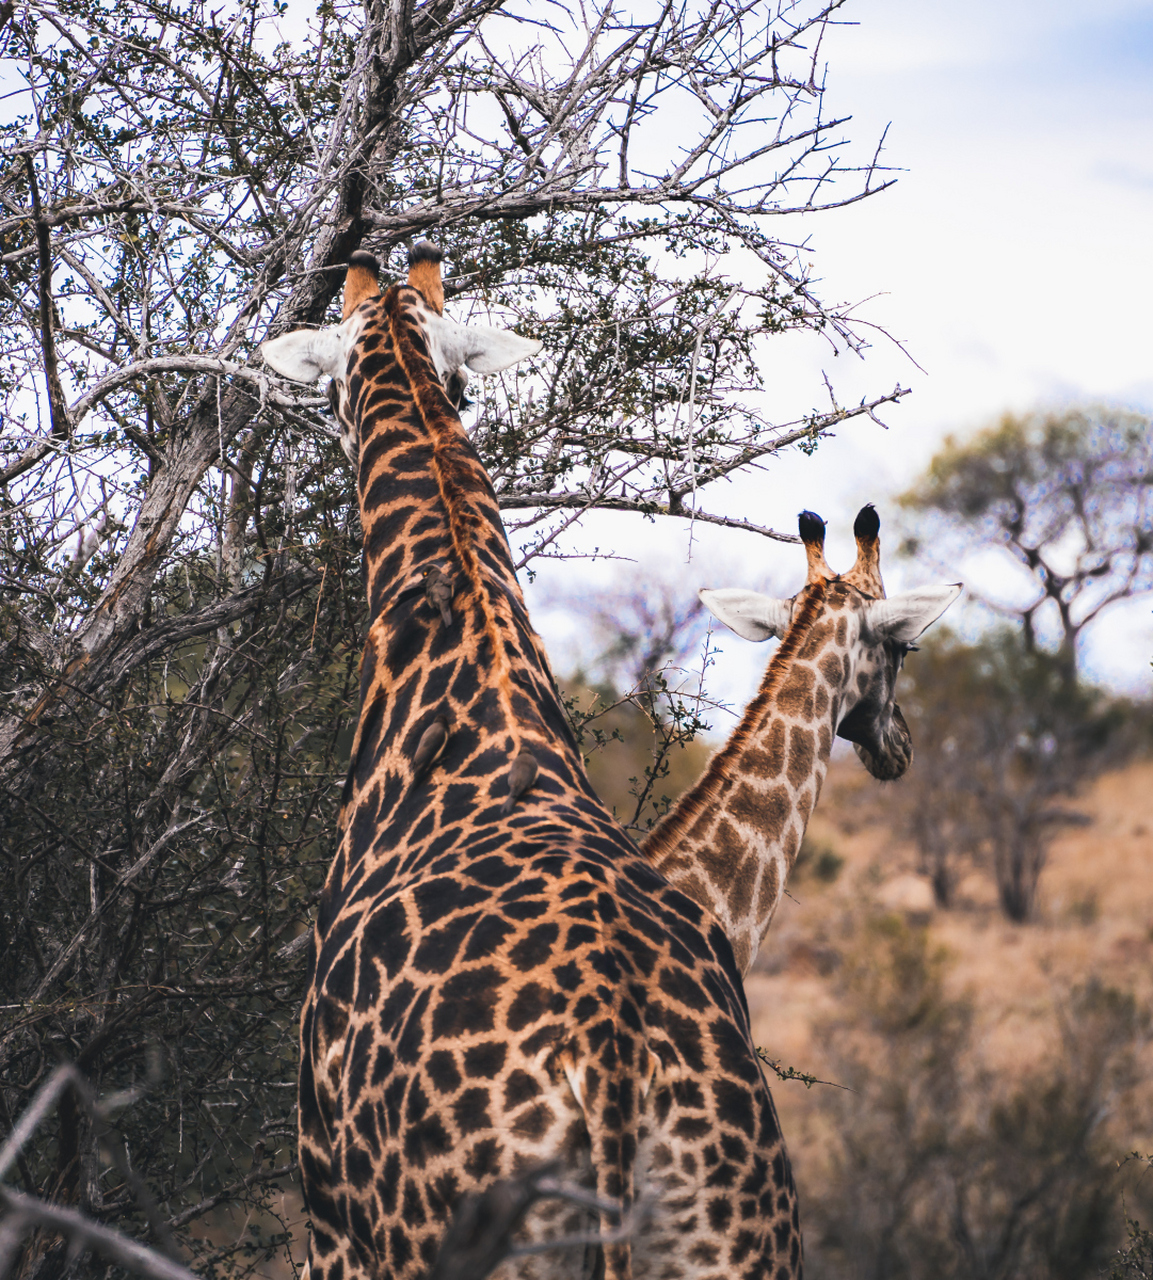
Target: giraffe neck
{"points": [[730, 842], [425, 499], [424, 495]]}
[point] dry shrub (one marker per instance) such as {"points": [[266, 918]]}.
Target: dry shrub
{"points": [[936, 1168]]}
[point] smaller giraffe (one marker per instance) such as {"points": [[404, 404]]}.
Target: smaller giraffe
{"points": [[731, 841]]}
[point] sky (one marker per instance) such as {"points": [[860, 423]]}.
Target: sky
{"points": [[1013, 259]]}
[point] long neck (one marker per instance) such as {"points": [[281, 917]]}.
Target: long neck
{"points": [[426, 500], [424, 494], [731, 841]]}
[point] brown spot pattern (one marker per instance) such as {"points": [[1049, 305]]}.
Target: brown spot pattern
{"points": [[462, 954], [802, 755], [770, 888]]}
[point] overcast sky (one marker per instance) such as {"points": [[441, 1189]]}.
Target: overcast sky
{"points": [[1014, 259]]}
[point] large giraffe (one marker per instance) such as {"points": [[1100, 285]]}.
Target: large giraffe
{"points": [[499, 977], [731, 841]]}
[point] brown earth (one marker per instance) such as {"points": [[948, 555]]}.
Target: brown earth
{"points": [[1094, 920]]}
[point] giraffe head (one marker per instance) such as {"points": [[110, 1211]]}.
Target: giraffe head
{"points": [[851, 633], [305, 354]]}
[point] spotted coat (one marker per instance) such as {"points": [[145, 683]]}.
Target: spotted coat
{"points": [[492, 990], [731, 841]]}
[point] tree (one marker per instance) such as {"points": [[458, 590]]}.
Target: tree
{"points": [[1068, 496], [180, 605], [1007, 726], [1003, 741], [640, 708]]}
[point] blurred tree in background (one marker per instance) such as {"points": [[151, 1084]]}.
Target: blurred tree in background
{"points": [[1007, 728], [180, 599], [1004, 743], [1068, 499], [642, 703]]}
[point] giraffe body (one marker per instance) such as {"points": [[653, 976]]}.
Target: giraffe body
{"points": [[731, 841], [498, 984]]}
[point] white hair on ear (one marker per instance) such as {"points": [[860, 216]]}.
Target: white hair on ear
{"points": [[905, 616], [305, 354], [482, 348], [749, 613]]}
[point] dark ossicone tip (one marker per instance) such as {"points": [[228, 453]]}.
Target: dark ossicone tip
{"points": [[424, 251], [362, 258], [867, 524], [812, 527]]}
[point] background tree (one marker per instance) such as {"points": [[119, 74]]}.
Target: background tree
{"points": [[1003, 743], [641, 701], [180, 602], [1008, 726], [1067, 496]]}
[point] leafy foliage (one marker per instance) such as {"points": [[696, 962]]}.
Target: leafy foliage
{"points": [[1007, 726], [1135, 1260], [1068, 496]]}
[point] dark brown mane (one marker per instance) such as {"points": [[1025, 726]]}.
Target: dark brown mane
{"points": [[458, 478], [707, 794]]}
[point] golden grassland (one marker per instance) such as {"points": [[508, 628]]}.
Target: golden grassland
{"points": [[1093, 927], [1094, 918]]}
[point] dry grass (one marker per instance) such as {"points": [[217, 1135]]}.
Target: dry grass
{"points": [[1094, 920]]}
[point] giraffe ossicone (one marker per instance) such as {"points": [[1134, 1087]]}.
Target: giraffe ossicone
{"points": [[731, 841], [305, 355], [499, 978]]}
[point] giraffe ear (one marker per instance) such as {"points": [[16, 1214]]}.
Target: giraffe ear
{"points": [[482, 348], [748, 613], [903, 617], [304, 355]]}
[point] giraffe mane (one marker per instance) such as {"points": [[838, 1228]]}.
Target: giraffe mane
{"points": [[710, 789], [453, 482]]}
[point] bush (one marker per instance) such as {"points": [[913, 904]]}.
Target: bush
{"points": [[934, 1168]]}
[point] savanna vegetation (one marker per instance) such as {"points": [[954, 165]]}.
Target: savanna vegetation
{"points": [[181, 606]]}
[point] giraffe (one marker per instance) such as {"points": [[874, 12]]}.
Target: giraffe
{"points": [[731, 841], [499, 979]]}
